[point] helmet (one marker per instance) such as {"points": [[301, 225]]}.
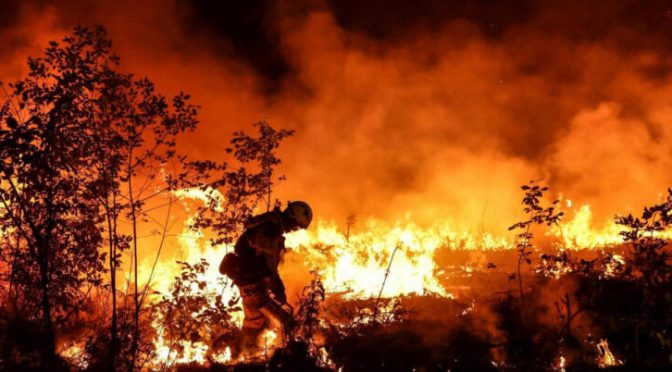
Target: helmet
{"points": [[300, 212]]}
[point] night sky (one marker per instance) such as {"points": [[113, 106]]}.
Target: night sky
{"points": [[249, 30]]}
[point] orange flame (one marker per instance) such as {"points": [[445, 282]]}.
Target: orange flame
{"points": [[356, 265]]}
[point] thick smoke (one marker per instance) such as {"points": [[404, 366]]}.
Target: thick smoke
{"points": [[435, 113]]}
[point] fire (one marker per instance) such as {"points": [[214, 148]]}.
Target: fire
{"points": [[356, 264], [360, 264], [582, 232], [458, 124], [225, 357], [605, 358], [193, 246], [469, 308], [561, 364], [324, 358], [612, 266], [193, 352], [270, 340], [74, 353]]}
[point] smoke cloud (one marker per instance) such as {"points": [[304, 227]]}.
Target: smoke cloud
{"points": [[428, 111]]}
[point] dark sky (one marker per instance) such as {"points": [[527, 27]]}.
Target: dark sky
{"points": [[251, 26]]}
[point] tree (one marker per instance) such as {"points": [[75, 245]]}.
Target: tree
{"points": [[52, 212], [649, 265], [148, 128], [650, 261], [83, 145], [262, 151], [537, 215], [233, 193]]}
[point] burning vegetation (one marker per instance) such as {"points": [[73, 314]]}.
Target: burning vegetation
{"points": [[94, 188]]}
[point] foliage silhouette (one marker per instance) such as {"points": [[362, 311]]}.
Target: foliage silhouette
{"points": [[537, 215]]}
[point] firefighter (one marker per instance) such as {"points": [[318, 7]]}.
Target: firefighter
{"points": [[253, 267]]}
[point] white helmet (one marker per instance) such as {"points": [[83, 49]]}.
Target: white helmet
{"points": [[300, 212]]}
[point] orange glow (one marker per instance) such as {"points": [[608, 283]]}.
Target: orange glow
{"points": [[426, 140], [355, 268]]}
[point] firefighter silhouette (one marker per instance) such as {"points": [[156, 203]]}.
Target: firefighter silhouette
{"points": [[253, 267]]}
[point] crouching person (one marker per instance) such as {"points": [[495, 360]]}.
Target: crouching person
{"points": [[253, 267]]}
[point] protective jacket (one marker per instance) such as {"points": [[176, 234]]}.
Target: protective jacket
{"points": [[258, 252]]}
